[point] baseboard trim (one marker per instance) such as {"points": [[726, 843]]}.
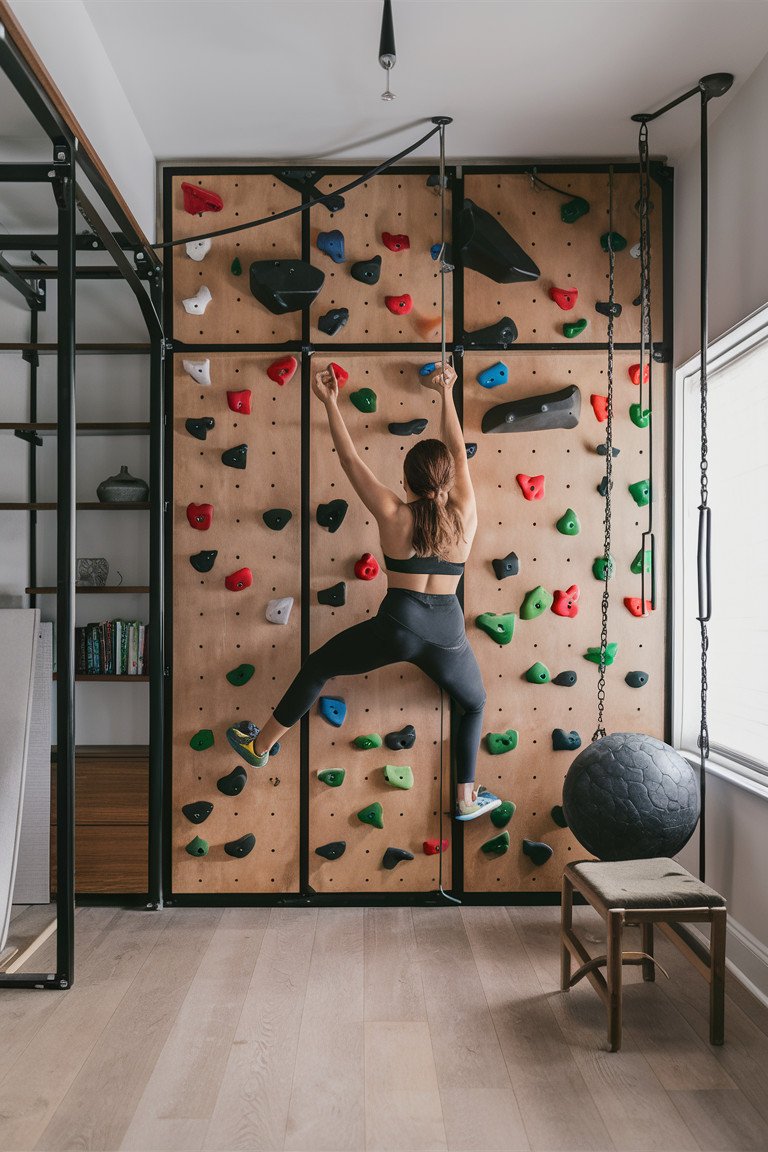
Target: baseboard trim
{"points": [[746, 958]]}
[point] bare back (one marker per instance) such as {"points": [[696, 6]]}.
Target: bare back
{"points": [[396, 535]]}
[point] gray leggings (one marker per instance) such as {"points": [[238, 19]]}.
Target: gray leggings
{"points": [[415, 627]]}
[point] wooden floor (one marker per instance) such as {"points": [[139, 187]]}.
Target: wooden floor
{"points": [[335, 1029]]}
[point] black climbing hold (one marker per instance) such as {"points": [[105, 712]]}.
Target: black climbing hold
{"points": [[605, 308], [508, 566], [285, 285], [636, 679], [409, 428], [203, 561], [433, 181], [565, 679], [558, 815], [602, 487], [336, 595], [331, 515], [366, 271], [304, 180], [240, 847], [393, 856], [563, 741], [488, 248], [332, 322], [603, 451], [236, 457], [498, 335], [200, 428], [471, 450], [405, 738], [536, 413], [574, 209], [333, 850], [234, 782], [276, 518], [198, 811], [538, 852]]}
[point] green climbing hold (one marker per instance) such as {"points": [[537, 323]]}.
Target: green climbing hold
{"points": [[574, 328], [499, 742], [639, 416], [558, 815], [500, 628], [568, 523], [372, 815], [601, 567], [573, 210], [497, 846], [236, 267], [593, 654], [640, 492], [613, 240], [502, 815], [538, 673], [637, 564], [538, 600], [198, 847], [333, 777], [202, 740], [240, 675], [371, 741], [398, 775], [364, 399]]}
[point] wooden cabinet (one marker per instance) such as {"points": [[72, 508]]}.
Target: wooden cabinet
{"points": [[111, 804]]}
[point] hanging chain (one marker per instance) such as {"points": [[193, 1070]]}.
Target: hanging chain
{"points": [[600, 730], [647, 539]]}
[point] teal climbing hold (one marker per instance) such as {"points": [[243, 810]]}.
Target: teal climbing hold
{"points": [[373, 740], [497, 846], [399, 775], [574, 209], [500, 627], [639, 416], [613, 240], [574, 328], [333, 777], [593, 654], [558, 815], [198, 847], [536, 601], [502, 815], [636, 679], [563, 741], [538, 673], [601, 567], [372, 815], [364, 399], [499, 742], [568, 523], [640, 492], [333, 710], [637, 564], [240, 675], [236, 267], [202, 740], [537, 851]]}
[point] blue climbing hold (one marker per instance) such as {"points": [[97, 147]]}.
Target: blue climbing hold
{"points": [[492, 377], [332, 244], [332, 709], [435, 252], [428, 369]]}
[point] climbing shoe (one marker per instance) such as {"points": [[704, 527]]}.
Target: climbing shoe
{"points": [[241, 736], [484, 803]]}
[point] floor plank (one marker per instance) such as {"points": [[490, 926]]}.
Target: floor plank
{"points": [[402, 1099], [723, 1120], [393, 985]]}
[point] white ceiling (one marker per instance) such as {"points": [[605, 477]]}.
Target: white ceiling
{"points": [[298, 79]]}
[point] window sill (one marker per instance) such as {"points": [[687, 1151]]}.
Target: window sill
{"points": [[729, 770]]}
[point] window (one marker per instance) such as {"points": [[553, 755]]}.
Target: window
{"points": [[738, 497]]}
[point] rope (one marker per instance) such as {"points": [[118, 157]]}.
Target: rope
{"points": [[646, 344], [536, 179]]}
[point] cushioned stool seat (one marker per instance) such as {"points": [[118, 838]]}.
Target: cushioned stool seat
{"points": [[644, 892]]}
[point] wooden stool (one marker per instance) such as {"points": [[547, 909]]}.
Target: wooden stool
{"points": [[644, 892]]}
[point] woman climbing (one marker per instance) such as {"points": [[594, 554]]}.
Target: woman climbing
{"points": [[426, 540]]}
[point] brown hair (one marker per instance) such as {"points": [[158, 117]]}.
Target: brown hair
{"points": [[430, 473]]}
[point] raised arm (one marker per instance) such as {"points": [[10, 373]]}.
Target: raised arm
{"points": [[452, 436]]}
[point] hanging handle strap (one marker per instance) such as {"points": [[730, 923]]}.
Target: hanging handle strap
{"points": [[704, 564]]}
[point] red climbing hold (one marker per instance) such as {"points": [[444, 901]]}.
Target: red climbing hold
{"points": [[200, 199], [599, 406], [634, 605], [634, 373], [532, 487], [200, 516], [367, 567], [281, 371], [397, 243], [432, 847], [399, 305], [566, 603], [243, 578], [340, 373], [240, 401], [565, 298]]}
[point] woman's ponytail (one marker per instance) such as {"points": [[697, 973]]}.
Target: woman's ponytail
{"points": [[430, 473]]}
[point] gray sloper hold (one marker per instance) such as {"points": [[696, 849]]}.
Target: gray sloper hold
{"points": [[488, 248], [535, 413], [602, 450], [198, 811], [331, 515], [233, 783], [563, 741], [394, 856], [335, 596], [606, 308], [240, 847], [509, 565], [409, 428], [602, 488], [537, 851], [200, 428], [204, 561], [565, 679], [332, 322], [636, 679], [498, 335], [285, 285], [333, 850], [236, 457], [405, 738], [558, 816], [366, 271], [276, 518]]}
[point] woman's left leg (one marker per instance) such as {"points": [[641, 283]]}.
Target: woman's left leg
{"points": [[456, 671]]}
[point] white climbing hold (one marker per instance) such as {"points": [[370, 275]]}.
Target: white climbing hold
{"points": [[198, 249], [278, 611], [198, 303], [199, 370], [635, 251]]}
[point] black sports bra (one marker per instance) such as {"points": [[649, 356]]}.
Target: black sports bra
{"points": [[424, 565]]}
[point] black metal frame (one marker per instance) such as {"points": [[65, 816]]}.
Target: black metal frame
{"points": [[68, 155], [663, 176]]}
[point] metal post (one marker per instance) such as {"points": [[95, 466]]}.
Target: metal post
{"points": [[34, 361], [156, 598]]}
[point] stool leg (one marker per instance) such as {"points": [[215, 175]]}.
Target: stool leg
{"points": [[566, 925], [649, 969], [717, 977], [613, 977]]}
